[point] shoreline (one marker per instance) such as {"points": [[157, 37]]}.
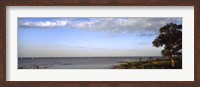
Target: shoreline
{"points": [[96, 63], [150, 64]]}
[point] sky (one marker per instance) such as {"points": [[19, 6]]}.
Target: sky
{"points": [[89, 37]]}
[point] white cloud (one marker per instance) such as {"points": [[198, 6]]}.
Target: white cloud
{"points": [[44, 24], [146, 26]]}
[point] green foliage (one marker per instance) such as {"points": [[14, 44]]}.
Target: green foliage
{"points": [[153, 64]]}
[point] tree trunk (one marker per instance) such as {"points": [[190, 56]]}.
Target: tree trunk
{"points": [[172, 60], [170, 56]]}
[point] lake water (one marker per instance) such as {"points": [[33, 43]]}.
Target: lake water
{"points": [[74, 62]]}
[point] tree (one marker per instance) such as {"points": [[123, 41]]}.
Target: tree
{"points": [[171, 38]]}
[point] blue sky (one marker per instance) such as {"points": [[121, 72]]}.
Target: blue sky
{"points": [[66, 37]]}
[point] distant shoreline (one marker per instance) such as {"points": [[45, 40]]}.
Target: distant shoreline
{"points": [[101, 57]]}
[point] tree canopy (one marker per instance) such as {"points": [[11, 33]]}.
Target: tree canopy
{"points": [[171, 38]]}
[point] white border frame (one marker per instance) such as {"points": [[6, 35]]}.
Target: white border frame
{"points": [[185, 74]]}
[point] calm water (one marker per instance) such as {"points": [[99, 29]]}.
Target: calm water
{"points": [[74, 63]]}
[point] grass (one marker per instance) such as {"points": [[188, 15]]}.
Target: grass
{"points": [[152, 64]]}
